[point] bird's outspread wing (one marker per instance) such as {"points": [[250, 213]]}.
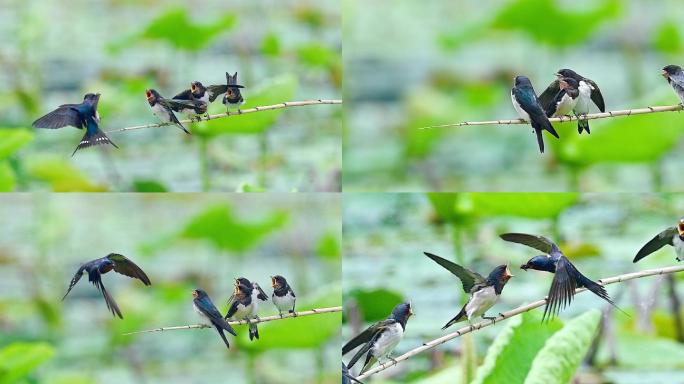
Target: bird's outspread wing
{"points": [[468, 278], [75, 280], [660, 240], [537, 242], [66, 114], [562, 288], [125, 266]]}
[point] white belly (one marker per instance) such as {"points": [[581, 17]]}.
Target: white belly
{"points": [[204, 317], [565, 106], [584, 99], [481, 301], [679, 247], [387, 341], [521, 112], [243, 312], [284, 303], [161, 113]]}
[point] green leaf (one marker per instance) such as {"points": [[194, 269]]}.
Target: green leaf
{"points": [[317, 55], [510, 356], [12, 139], [637, 350], [273, 91], [222, 228], [270, 45], [667, 38], [8, 179], [558, 360], [18, 360], [328, 247], [149, 186], [375, 304], [547, 22], [445, 205], [532, 205], [61, 175]]}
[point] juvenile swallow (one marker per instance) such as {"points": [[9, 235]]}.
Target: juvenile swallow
{"points": [[566, 278], [233, 97], [206, 309], [589, 94], [675, 77], [380, 339], [565, 100], [79, 116], [163, 108], [673, 236], [347, 378], [484, 292], [200, 95], [283, 296], [96, 268], [208, 94], [244, 304], [526, 104]]}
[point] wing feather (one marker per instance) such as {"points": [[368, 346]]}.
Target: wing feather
{"points": [[660, 240], [125, 266], [468, 278]]}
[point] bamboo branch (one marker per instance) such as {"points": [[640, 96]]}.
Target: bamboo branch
{"points": [[524, 308], [262, 108], [565, 119], [317, 311]]}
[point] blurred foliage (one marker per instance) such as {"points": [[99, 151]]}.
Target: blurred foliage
{"points": [[60, 175], [375, 304], [17, 360], [329, 247]]}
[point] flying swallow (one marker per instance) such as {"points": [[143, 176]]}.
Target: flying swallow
{"points": [[589, 94], [283, 296], [163, 108], [96, 268], [673, 236], [380, 339], [566, 278], [79, 116], [675, 77], [526, 104], [206, 309], [484, 292]]}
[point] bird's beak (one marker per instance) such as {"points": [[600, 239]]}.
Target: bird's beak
{"points": [[562, 84], [558, 75], [508, 274], [524, 267], [148, 94], [664, 74], [194, 294], [680, 227]]}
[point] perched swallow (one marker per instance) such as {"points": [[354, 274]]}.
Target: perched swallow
{"points": [[565, 100], [208, 94], [163, 108], [96, 268], [380, 339], [675, 77], [283, 296], [347, 378], [79, 116], [526, 104], [232, 98], [589, 94], [566, 278], [673, 236], [203, 305], [244, 304], [484, 292]]}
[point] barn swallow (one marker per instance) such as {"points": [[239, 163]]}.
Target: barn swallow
{"points": [[233, 97], [484, 292], [96, 268], [526, 104], [675, 77], [589, 94], [206, 309], [565, 100], [347, 378], [566, 278], [283, 296], [673, 236], [244, 304], [380, 339], [207, 94], [163, 108], [79, 116]]}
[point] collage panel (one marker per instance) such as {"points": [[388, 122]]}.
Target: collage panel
{"points": [[247, 95], [451, 288], [430, 66], [162, 266]]}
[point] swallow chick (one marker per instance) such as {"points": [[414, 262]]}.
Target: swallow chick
{"points": [[79, 116], [233, 97], [199, 95], [527, 105], [206, 309], [589, 94], [565, 100], [283, 296], [96, 268], [566, 278], [675, 77], [484, 292], [673, 236], [164, 108], [244, 304], [379, 340]]}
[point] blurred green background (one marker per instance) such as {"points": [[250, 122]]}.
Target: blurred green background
{"points": [[53, 52], [448, 61], [385, 236], [182, 241]]}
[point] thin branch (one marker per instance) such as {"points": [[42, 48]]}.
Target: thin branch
{"points": [[317, 311], [524, 308], [287, 104], [565, 119]]}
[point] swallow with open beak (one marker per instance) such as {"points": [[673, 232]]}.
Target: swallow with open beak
{"points": [[244, 304], [673, 236], [565, 100], [206, 309], [233, 96], [283, 296], [164, 108], [589, 93], [484, 292], [675, 77]]}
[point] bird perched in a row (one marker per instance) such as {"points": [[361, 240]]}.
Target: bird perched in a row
{"points": [[98, 267], [83, 115], [675, 77], [529, 109], [164, 108], [484, 292], [673, 236], [207, 310], [244, 304], [565, 100], [379, 340], [283, 296]]}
